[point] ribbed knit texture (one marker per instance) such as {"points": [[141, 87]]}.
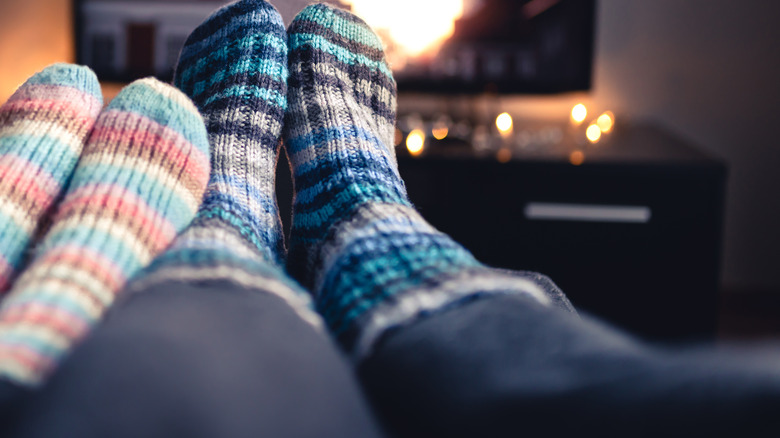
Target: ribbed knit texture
{"points": [[370, 259], [234, 66], [42, 131], [139, 181]]}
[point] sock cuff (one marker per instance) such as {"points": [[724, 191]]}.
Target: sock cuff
{"points": [[445, 292], [212, 251], [206, 61]]}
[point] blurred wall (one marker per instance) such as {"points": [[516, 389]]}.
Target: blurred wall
{"points": [[707, 69], [710, 70], [36, 33], [33, 34]]}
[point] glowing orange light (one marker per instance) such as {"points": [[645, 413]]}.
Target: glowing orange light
{"points": [[399, 137], [415, 142], [606, 122], [579, 113], [440, 133], [593, 133], [413, 24], [504, 124], [577, 158], [504, 155]]}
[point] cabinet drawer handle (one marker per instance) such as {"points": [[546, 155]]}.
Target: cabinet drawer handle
{"points": [[537, 211]]}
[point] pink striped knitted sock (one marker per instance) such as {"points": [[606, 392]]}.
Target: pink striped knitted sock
{"points": [[139, 182], [42, 131]]}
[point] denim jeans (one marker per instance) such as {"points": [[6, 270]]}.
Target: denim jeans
{"points": [[216, 360]]}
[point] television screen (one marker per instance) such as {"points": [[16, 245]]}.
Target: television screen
{"points": [[440, 46], [124, 40], [505, 46]]}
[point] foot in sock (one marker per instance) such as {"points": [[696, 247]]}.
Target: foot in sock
{"points": [[370, 259], [42, 131], [234, 67], [138, 182]]}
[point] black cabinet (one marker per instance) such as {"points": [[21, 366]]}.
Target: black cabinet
{"points": [[632, 234]]}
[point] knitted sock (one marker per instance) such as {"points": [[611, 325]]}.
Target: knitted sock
{"points": [[42, 131], [139, 181], [370, 259], [234, 66]]}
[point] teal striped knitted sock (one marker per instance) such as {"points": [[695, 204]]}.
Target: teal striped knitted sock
{"points": [[370, 259], [139, 181], [234, 66], [42, 131]]}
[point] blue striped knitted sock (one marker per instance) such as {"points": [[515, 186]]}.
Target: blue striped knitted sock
{"points": [[370, 259], [234, 67]]}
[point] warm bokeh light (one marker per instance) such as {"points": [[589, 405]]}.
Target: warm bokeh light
{"points": [[399, 136], [576, 158], [415, 142], [579, 113], [35, 34], [413, 24], [440, 133], [593, 133], [504, 155], [504, 123], [606, 122]]}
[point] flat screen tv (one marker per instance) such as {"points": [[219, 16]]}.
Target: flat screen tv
{"points": [[495, 46], [122, 40], [509, 46]]}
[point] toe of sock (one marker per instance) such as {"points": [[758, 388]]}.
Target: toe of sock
{"points": [[323, 33], [239, 30], [166, 106], [73, 86], [68, 75], [339, 26]]}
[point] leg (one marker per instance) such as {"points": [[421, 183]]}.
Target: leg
{"points": [[215, 340], [444, 345], [503, 366], [136, 185], [43, 127], [202, 359]]}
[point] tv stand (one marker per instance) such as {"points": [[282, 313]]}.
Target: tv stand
{"points": [[632, 234]]}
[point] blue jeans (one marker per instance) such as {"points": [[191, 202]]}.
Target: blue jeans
{"points": [[216, 360]]}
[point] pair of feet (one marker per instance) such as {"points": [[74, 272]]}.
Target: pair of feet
{"points": [[357, 245], [88, 197], [367, 258]]}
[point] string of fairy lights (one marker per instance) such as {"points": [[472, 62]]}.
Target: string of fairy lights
{"points": [[505, 140]]}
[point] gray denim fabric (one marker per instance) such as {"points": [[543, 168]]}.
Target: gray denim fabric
{"points": [[207, 360], [507, 366], [212, 360]]}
